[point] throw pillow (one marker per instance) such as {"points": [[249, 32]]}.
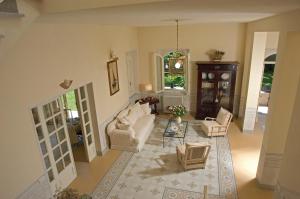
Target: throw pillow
{"points": [[122, 126], [123, 121], [146, 108], [123, 113]]}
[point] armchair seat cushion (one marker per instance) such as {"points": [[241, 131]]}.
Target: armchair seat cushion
{"points": [[208, 126]]}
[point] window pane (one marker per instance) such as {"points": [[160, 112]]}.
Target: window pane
{"points": [[43, 148], [61, 134], [86, 117], [67, 160], [82, 92], [84, 105], [47, 162], [87, 128], [35, 115], [56, 153], [64, 147], [47, 111], [39, 132], [50, 126], [60, 166], [90, 141], [58, 121], [50, 175], [53, 140], [55, 106]]}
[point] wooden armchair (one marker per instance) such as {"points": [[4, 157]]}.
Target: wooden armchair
{"points": [[217, 126], [193, 155]]}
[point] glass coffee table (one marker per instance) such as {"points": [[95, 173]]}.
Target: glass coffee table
{"points": [[175, 130]]}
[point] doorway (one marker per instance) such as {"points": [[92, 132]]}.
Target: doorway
{"points": [[265, 91], [74, 126], [263, 61], [65, 132]]}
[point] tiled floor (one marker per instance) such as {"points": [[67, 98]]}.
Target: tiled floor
{"points": [[245, 148]]}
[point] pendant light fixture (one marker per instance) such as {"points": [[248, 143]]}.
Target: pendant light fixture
{"points": [[178, 55]]}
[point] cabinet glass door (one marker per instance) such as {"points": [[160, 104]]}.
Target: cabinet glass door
{"points": [[224, 88]]}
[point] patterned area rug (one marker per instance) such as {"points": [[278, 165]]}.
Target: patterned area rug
{"points": [[154, 173]]}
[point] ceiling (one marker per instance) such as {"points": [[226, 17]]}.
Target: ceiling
{"points": [[163, 12]]}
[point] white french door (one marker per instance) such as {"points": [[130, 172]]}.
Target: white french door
{"points": [[86, 122], [51, 130]]}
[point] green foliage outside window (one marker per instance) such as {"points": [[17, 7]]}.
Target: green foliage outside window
{"points": [[268, 77], [174, 80]]}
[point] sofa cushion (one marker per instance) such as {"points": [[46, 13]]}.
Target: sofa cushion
{"points": [[207, 126], [223, 116], [142, 125], [146, 108]]}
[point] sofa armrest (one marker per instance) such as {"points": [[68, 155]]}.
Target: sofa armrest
{"points": [[123, 137]]}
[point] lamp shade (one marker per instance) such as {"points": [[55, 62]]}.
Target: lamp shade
{"points": [[145, 87]]}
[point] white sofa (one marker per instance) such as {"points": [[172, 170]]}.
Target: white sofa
{"points": [[131, 128]]}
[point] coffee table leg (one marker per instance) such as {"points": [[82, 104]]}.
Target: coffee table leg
{"points": [[163, 141]]}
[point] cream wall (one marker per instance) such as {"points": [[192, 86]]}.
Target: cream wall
{"points": [[282, 96], [198, 38], [45, 55], [289, 177]]}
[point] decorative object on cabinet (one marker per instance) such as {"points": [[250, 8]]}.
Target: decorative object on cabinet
{"points": [[215, 55], [216, 89]]}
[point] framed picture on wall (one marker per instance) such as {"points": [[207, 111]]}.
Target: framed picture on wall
{"points": [[113, 77]]}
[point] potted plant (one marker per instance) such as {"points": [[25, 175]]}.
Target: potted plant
{"points": [[177, 111], [69, 193]]}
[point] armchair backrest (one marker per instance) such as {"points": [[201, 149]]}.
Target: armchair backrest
{"points": [[224, 117], [196, 153]]}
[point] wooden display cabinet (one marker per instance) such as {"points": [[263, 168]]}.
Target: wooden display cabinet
{"points": [[215, 88]]}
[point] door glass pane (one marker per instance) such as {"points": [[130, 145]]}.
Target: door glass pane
{"points": [[43, 148], [61, 134], [90, 139], [82, 93], [47, 111], [60, 166], [64, 147], [53, 140], [57, 153], [35, 115], [50, 126], [67, 160], [55, 106], [39, 132], [84, 106], [86, 117], [58, 121], [47, 162], [87, 128], [50, 175]]}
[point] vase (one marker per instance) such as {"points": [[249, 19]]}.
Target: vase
{"points": [[178, 119]]}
